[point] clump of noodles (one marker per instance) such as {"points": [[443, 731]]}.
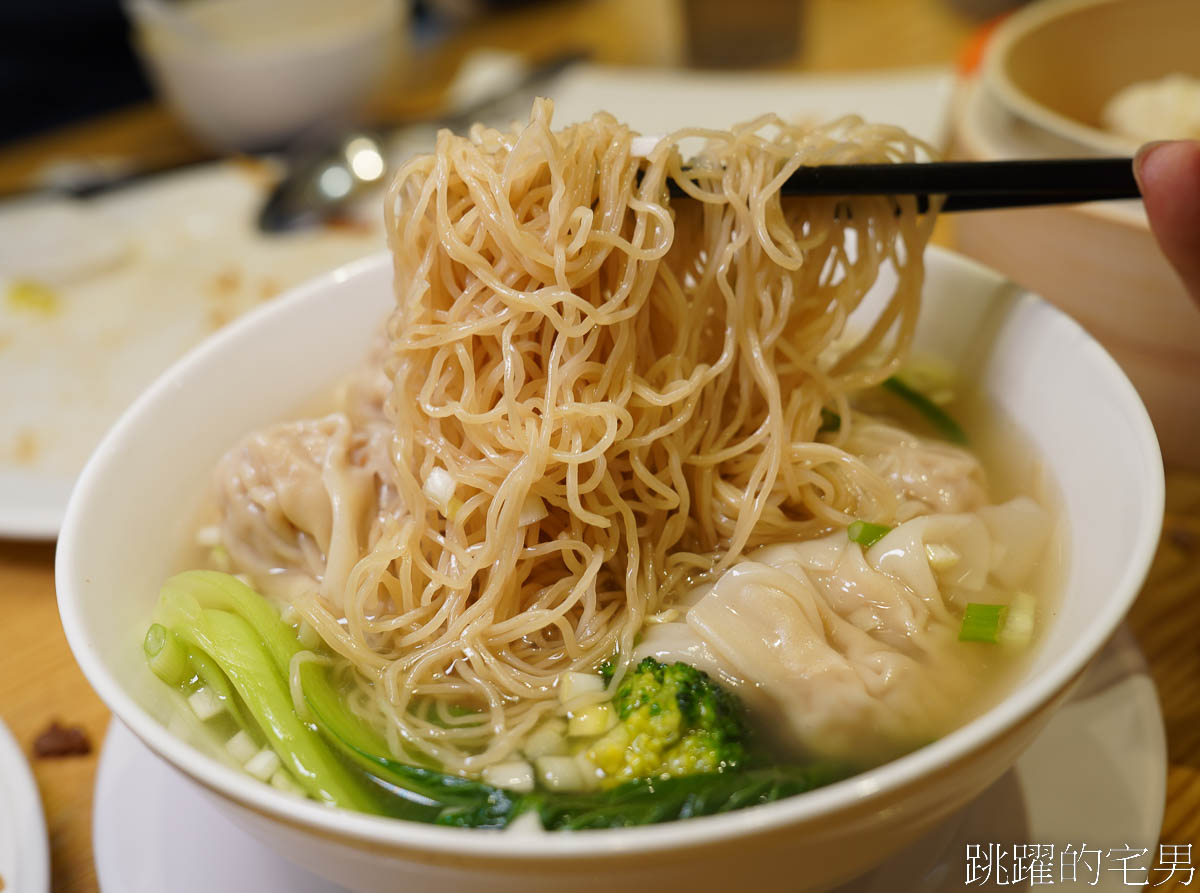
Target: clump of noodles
{"points": [[598, 395]]}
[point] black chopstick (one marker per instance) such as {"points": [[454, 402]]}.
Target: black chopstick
{"points": [[971, 185]]}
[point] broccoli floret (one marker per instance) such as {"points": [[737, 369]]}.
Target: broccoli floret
{"points": [[672, 720]]}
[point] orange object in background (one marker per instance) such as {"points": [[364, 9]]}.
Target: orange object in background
{"points": [[970, 57]]}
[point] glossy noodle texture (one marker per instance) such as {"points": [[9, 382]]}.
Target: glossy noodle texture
{"points": [[592, 407]]}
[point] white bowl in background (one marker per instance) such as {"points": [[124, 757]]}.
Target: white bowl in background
{"points": [[252, 75], [1098, 262], [1056, 64], [131, 514]]}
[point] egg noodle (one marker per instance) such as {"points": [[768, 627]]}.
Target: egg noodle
{"points": [[597, 395]]}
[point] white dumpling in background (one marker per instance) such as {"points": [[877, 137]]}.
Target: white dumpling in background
{"points": [[928, 475], [1019, 530]]}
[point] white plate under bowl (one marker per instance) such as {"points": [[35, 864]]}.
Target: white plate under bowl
{"points": [[1096, 775], [24, 852]]}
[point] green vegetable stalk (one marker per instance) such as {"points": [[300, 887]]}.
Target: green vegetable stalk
{"points": [[212, 626], [934, 414]]}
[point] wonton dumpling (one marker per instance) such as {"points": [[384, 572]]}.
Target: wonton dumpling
{"points": [[829, 660], [935, 556], [856, 591], [929, 475], [295, 497]]}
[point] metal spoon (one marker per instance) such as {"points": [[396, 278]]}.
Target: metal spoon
{"points": [[319, 186]]}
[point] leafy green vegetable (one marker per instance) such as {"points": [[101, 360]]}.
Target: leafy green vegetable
{"points": [[830, 421], [673, 720], [647, 801], [934, 414], [867, 534], [237, 644]]}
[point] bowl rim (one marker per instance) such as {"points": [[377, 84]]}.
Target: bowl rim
{"points": [[975, 136], [472, 844], [995, 75]]}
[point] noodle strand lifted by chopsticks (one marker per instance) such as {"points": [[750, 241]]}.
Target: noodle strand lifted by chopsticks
{"points": [[624, 391]]}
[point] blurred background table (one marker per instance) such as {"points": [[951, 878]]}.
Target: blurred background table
{"points": [[39, 680]]}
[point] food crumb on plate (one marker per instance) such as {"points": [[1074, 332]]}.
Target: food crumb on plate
{"points": [[33, 297], [62, 741]]}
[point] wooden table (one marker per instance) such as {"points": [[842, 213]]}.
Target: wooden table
{"points": [[39, 680]]}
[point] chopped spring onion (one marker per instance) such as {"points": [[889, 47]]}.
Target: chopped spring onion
{"points": [[263, 764], [548, 739], [166, 655], [982, 623], [1018, 626], [941, 557], [572, 684], [513, 776], [559, 773], [208, 537], [830, 421], [283, 781], [241, 747], [307, 636], [668, 615], [589, 772], [934, 414], [205, 704], [532, 511], [867, 534], [592, 721], [219, 556], [439, 487]]}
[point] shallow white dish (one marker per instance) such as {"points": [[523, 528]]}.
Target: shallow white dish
{"points": [[130, 515], [189, 260], [24, 850], [1096, 774]]}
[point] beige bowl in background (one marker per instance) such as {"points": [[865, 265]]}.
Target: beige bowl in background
{"points": [[1056, 64], [1049, 70], [252, 75]]}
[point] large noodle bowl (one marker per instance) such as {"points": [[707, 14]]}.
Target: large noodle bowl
{"points": [[605, 425]]}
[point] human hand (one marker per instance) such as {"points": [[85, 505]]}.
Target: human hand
{"points": [[1168, 173]]}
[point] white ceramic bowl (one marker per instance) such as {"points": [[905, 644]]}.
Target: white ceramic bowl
{"points": [[131, 512], [254, 75]]}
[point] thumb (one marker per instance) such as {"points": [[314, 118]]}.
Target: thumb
{"points": [[1168, 175]]}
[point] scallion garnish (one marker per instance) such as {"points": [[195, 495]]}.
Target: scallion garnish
{"points": [[867, 534], [933, 413], [1018, 625], [830, 421], [982, 623]]}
